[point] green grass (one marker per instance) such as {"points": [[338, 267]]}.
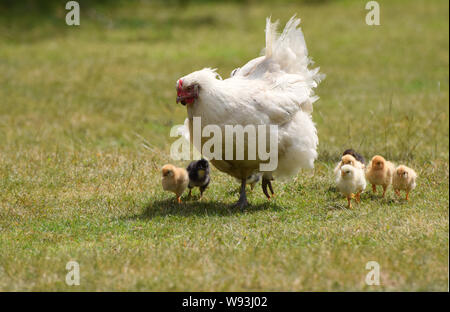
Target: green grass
{"points": [[85, 114]]}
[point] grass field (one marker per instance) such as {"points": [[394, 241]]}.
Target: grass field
{"points": [[85, 115]]}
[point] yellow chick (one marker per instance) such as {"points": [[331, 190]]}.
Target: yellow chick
{"points": [[348, 159], [404, 179], [351, 181], [380, 172], [174, 180]]}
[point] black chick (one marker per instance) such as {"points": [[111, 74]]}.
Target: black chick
{"points": [[357, 156], [198, 175]]}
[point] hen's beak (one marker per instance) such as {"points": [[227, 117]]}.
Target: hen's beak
{"points": [[181, 99], [187, 96]]}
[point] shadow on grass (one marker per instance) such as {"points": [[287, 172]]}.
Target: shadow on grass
{"points": [[337, 201], [387, 200], [169, 207]]}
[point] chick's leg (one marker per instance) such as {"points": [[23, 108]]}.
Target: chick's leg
{"points": [[349, 202], [374, 188], [397, 192], [202, 189], [179, 199], [407, 195], [358, 197], [242, 202], [384, 190]]}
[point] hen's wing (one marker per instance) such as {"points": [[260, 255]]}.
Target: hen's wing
{"points": [[248, 68]]}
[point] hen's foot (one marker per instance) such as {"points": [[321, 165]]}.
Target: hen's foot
{"points": [[241, 203]]}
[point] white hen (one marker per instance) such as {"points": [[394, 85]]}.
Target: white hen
{"points": [[274, 89]]}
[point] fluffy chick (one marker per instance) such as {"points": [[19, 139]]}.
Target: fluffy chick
{"points": [[174, 180], [198, 175], [348, 159], [357, 156], [380, 172], [404, 179], [351, 181]]}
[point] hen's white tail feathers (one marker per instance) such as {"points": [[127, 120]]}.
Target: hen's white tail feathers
{"points": [[271, 36], [289, 50]]}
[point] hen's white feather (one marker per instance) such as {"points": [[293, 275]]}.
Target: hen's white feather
{"points": [[276, 88]]}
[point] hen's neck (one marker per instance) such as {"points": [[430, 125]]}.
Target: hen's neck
{"points": [[211, 104]]}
